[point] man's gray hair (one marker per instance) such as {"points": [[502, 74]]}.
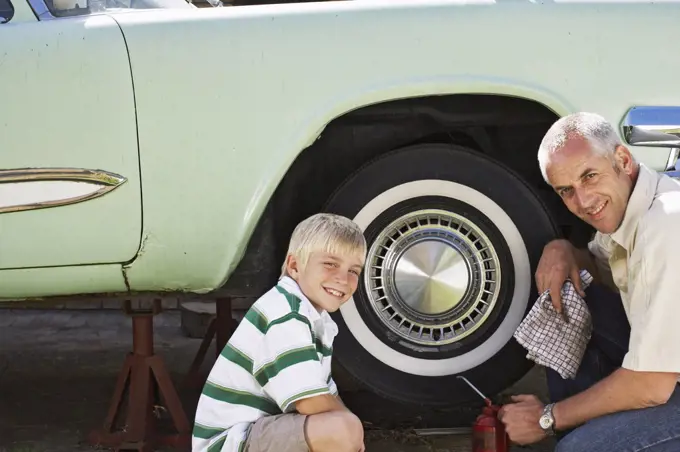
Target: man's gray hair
{"points": [[593, 128]]}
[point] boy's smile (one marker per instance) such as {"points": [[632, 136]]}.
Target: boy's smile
{"points": [[335, 293], [327, 279]]}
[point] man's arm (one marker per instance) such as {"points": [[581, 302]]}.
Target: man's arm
{"points": [[561, 260], [622, 390], [586, 260], [598, 268], [650, 370]]}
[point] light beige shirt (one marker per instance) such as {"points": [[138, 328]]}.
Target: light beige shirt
{"points": [[642, 258]]}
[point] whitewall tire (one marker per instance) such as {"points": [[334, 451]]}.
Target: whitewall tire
{"points": [[454, 239]]}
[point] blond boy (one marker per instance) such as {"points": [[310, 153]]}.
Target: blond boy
{"points": [[271, 388]]}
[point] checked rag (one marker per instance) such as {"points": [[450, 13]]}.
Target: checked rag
{"points": [[549, 339]]}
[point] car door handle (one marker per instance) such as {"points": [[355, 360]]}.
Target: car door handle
{"points": [[655, 126]]}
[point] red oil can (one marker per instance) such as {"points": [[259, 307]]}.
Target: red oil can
{"points": [[488, 432]]}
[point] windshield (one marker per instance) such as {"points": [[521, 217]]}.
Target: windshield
{"points": [[62, 8]]}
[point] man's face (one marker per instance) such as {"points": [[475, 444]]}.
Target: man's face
{"points": [[595, 188], [328, 280]]}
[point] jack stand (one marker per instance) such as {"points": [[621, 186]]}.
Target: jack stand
{"points": [[220, 328], [149, 383]]}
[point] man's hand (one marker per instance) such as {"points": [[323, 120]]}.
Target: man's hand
{"points": [[622, 390], [521, 419], [558, 262]]}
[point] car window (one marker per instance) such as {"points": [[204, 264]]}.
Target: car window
{"points": [[6, 11]]}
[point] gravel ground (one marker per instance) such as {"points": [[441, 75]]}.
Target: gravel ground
{"points": [[58, 369]]}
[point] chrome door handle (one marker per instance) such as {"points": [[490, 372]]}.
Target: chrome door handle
{"points": [[655, 126]]}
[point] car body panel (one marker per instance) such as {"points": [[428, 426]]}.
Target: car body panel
{"points": [[227, 98], [34, 283], [252, 87], [69, 88], [22, 13]]}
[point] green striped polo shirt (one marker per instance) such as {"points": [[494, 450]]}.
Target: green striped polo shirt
{"points": [[279, 354]]}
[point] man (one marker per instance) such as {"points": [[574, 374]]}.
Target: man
{"points": [[625, 397]]}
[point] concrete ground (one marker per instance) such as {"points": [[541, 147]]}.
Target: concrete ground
{"points": [[58, 369]]}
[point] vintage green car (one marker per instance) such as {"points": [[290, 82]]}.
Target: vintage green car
{"points": [[152, 146]]}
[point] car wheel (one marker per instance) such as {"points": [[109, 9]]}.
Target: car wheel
{"points": [[454, 238]]}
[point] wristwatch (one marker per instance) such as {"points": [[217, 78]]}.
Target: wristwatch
{"points": [[547, 421]]}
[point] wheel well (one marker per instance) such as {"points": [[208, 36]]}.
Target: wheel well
{"points": [[508, 129]]}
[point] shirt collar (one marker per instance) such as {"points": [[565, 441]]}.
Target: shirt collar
{"points": [[638, 203], [292, 286]]}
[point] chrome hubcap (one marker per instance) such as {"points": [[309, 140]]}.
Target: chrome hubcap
{"points": [[432, 277]]}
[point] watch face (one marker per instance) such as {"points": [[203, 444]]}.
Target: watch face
{"points": [[545, 422]]}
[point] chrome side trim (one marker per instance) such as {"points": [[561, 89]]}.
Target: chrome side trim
{"points": [[656, 126], [40, 188]]}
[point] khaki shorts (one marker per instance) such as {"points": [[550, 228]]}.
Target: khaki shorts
{"points": [[279, 433]]}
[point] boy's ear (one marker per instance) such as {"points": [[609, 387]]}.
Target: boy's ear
{"points": [[292, 266]]}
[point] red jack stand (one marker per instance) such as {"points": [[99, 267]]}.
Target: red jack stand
{"points": [[149, 382], [220, 328]]}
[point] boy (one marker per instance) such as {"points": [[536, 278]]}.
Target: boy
{"points": [[271, 389]]}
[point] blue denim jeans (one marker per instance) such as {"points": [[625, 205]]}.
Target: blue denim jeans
{"points": [[654, 429]]}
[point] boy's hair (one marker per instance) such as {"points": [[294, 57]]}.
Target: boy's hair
{"points": [[325, 232]]}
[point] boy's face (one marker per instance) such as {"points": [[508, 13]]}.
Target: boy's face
{"points": [[328, 280]]}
